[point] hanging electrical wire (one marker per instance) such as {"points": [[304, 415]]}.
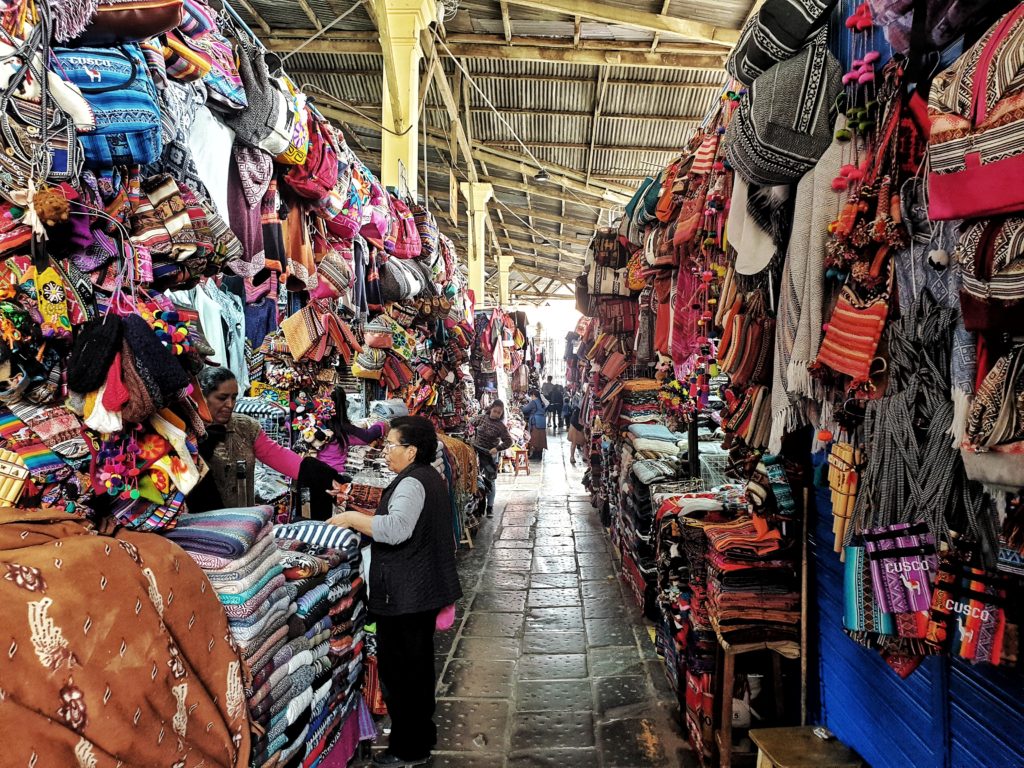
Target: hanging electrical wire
{"points": [[322, 31]]}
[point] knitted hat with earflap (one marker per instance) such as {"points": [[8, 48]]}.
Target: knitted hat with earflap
{"points": [[93, 353], [140, 404], [156, 364]]}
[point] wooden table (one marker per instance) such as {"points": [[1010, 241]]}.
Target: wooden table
{"points": [[801, 748]]}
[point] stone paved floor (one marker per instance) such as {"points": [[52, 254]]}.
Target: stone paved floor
{"points": [[550, 662]]}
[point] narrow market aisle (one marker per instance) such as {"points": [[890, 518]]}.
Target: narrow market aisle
{"points": [[550, 663]]}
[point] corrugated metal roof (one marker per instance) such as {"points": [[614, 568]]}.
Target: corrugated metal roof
{"points": [[648, 113]]}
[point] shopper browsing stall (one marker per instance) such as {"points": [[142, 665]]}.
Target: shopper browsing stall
{"points": [[412, 578], [346, 433]]}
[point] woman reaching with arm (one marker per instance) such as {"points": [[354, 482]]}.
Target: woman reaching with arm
{"points": [[490, 440], [235, 442], [412, 577]]}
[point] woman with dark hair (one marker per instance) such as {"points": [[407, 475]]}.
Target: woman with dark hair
{"points": [[534, 411], [235, 442], [346, 433], [490, 439], [412, 578]]}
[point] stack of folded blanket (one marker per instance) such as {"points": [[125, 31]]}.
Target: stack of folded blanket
{"points": [[640, 403], [752, 586], [236, 549], [323, 563]]}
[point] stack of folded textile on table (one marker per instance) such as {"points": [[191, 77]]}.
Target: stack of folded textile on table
{"points": [[323, 562], [640, 401], [753, 589], [236, 549]]}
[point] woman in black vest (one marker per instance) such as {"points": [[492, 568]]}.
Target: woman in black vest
{"points": [[412, 577]]}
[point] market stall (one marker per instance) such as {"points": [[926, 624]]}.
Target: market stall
{"points": [[818, 325], [186, 205]]}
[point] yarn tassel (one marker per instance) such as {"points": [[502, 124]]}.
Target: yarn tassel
{"points": [[826, 421], [785, 421], [798, 378], [961, 410], [71, 18]]}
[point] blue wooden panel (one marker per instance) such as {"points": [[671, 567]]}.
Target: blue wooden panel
{"points": [[889, 721], [986, 716]]}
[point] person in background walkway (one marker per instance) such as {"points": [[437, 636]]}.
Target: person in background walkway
{"points": [[556, 398], [577, 437], [346, 433], [546, 388], [534, 411], [235, 442], [412, 578], [490, 439]]}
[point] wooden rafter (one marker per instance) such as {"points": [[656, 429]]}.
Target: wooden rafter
{"points": [[657, 35], [506, 23], [480, 76], [580, 145], [253, 12], [662, 59], [577, 31], [600, 89], [310, 14], [583, 114], [636, 19]]}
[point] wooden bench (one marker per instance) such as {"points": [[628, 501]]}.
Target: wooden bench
{"points": [[801, 748]]}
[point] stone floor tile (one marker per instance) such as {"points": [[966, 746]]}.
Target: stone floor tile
{"points": [[474, 679], [552, 666], [500, 601], [493, 625], [545, 731], [558, 696], [484, 648]]}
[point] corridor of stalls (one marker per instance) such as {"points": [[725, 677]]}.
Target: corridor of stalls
{"points": [[550, 662]]}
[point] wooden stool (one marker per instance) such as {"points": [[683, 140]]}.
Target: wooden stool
{"points": [[728, 654], [800, 748], [521, 460], [507, 464]]}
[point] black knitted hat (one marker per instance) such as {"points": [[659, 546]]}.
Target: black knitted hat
{"points": [[93, 353]]}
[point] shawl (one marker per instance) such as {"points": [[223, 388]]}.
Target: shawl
{"points": [[152, 611], [225, 533], [802, 295]]}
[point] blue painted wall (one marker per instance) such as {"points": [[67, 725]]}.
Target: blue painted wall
{"points": [[947, 714]]}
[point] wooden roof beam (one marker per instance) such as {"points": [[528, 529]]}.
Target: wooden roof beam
{"points": [[253, 12], [588, 114], [599, 92], [506, 22], [581, 145], [636, 19], [335, 45], [310, 14], [657, 35]]}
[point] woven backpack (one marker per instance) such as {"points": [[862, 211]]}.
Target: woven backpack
{"points": [[784, 123]]}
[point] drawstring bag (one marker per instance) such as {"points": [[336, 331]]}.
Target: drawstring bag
{"points": [[783, 124]]}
